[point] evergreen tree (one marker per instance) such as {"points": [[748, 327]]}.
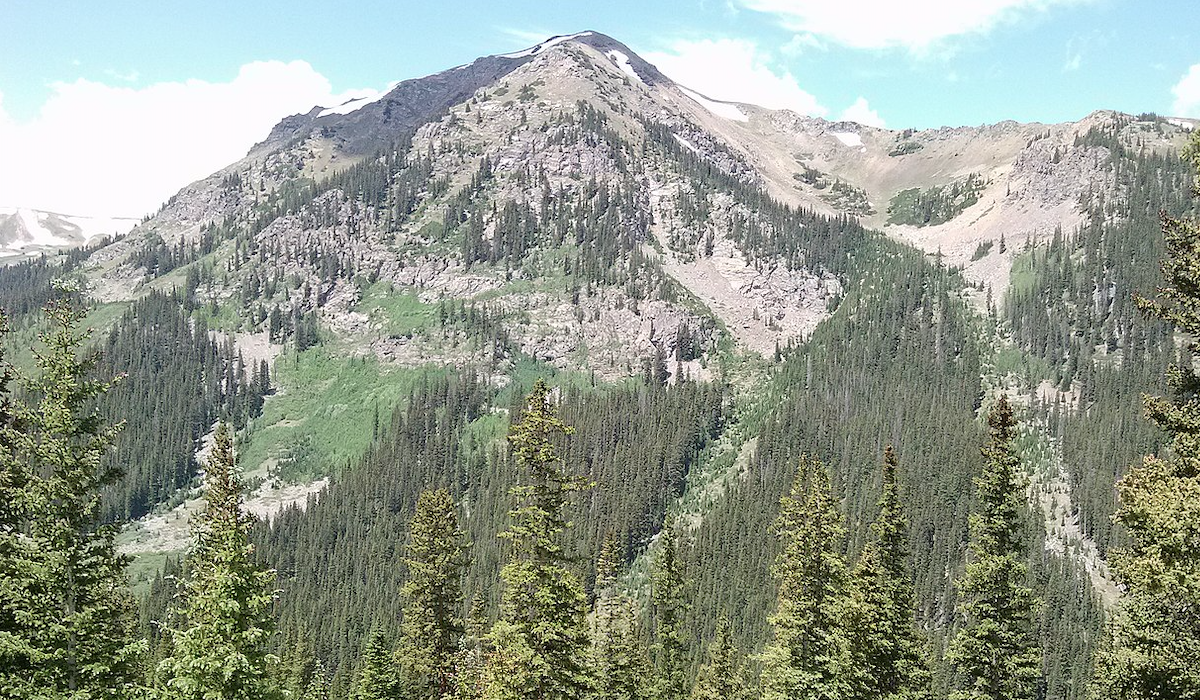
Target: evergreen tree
{"points": [[886, 653], [620, 659], [432, 628], [722, 677], [74, 617], [541, 640], [1153, 649], [318, 684], [808, 656], [470, 668], [377, 679], [995, 654], [670, 613], [222, 638], [19, 571]]}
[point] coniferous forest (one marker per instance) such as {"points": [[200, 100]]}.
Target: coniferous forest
{"points": [[859, 516]]}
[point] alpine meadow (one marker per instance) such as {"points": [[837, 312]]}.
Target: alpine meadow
{"points": [[547, 378]]}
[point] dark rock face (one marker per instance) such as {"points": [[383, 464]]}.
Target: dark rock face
{"points": [[406, 107]]}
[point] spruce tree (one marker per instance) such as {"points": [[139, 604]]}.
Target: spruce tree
{"points": [[541, 641], [74, 634], [887, 663], [221, 640], [619, 656], [432, 627], [722, 677], [808, 656], [1153, 645], [995, 654], [670, 614]]}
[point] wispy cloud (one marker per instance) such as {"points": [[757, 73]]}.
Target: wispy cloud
{"points": [[735, 70], [524, 37], [915, 25], [125, 77], [97, 149]]}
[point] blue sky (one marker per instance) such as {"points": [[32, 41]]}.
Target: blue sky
{"points": [[159, 93]]}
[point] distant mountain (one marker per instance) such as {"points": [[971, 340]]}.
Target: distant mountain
{"points": [[27, 232]]}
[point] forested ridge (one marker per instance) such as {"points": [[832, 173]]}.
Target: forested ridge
{"points": [[846, 519]]}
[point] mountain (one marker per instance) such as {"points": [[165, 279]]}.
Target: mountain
{"points": [[714, 288], [28, 232]]}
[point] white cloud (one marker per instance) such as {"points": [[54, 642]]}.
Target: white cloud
{"points": [[862, 113], [1187, 94], [100, 150], [912, 24], [734, 70]]}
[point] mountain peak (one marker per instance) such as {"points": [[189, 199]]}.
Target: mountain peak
{"points": [[625, 58]]}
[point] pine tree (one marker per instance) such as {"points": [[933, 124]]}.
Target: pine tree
{"points": [[722, 677], [995, 654], [670, 613], [74, 616], [886, 653], [432, 627], [808, 656], [1153, 645], [541, 641], [619, 657], [221, 640]]}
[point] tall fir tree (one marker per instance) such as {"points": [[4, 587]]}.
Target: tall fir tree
{"points": [[995, 655], [620, 660], [723, 674], [75, 634], [1153, 645], [541, 641], [808, 655], [221, 638], [886, 655], [669, 596], [432, 627]]}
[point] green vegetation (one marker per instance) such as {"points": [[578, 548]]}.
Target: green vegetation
{"points": [[326, 411], [905, 147], [398, 313], [935, 205]]}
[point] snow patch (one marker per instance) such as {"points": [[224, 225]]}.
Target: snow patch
{"points": [[622, 62], [48, 229], [721, 109], [686, 144], [552, 41], [357, 103], [848, 138]]}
